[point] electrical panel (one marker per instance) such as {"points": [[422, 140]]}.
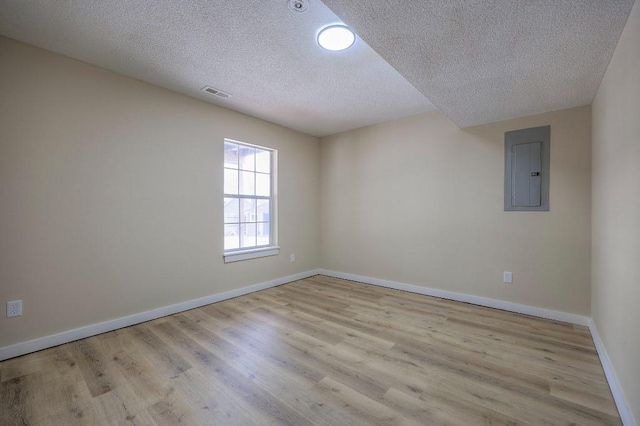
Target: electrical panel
{"points": [[526, 186]]}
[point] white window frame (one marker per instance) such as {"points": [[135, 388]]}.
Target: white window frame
{"points": [[272, 249]]}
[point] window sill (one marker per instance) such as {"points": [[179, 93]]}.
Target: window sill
{"points": [[236, 256]]}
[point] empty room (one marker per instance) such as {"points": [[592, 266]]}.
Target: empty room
{"points": [[320, 212]]}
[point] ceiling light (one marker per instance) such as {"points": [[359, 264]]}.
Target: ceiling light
{"points": [[336, 37]]}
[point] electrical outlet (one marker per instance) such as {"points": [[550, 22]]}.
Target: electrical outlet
{"points": [[14, 308], [507, 277], [292, 257]]}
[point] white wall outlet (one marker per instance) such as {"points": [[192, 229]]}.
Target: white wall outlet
{"points": [[507, 277], [292, 257], [14, 308]]}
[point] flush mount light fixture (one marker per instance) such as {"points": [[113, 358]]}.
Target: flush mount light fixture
{"points": [[336, 37]]}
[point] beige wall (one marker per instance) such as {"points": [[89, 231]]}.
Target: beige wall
{"points": [[111, 195], [616, 211], [420, 201]]}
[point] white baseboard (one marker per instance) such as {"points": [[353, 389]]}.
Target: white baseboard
{"points": [[461, 297], [621, 402], [103, 327]]}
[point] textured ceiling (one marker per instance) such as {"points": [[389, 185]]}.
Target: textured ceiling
{"points": [[258, 50], [481, 61], [478, 61]]}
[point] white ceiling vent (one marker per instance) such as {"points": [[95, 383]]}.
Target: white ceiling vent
{"points": [[298, 6], [216, 92]]}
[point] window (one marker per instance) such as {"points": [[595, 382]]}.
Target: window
{"points": [[249, 202]]}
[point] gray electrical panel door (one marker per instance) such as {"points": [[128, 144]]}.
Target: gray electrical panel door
{"points": [[527, 169], [525, 166]]}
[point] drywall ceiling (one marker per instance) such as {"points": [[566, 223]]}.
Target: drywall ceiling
{"points": [[259, 51], [480, 61]]}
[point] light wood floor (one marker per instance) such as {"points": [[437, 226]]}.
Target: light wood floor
{"points": [[318, 351]]}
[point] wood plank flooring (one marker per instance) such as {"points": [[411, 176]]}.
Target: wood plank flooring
{"points": [[319, 351]]}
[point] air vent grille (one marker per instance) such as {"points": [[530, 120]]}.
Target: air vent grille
{"points": [[216, 92]]}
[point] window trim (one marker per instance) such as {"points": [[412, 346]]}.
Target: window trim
{"points": [[253, 253], [272, 249]]}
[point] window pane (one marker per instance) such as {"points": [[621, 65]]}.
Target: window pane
{"points": [[247, 158], [247, 180], [231, 237], [248, 210], [248, 235], [263, 161], [247, 183], [264, 213], [231, 210], [231, 155], [230, 181], [263, 184], [262, 233]]}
